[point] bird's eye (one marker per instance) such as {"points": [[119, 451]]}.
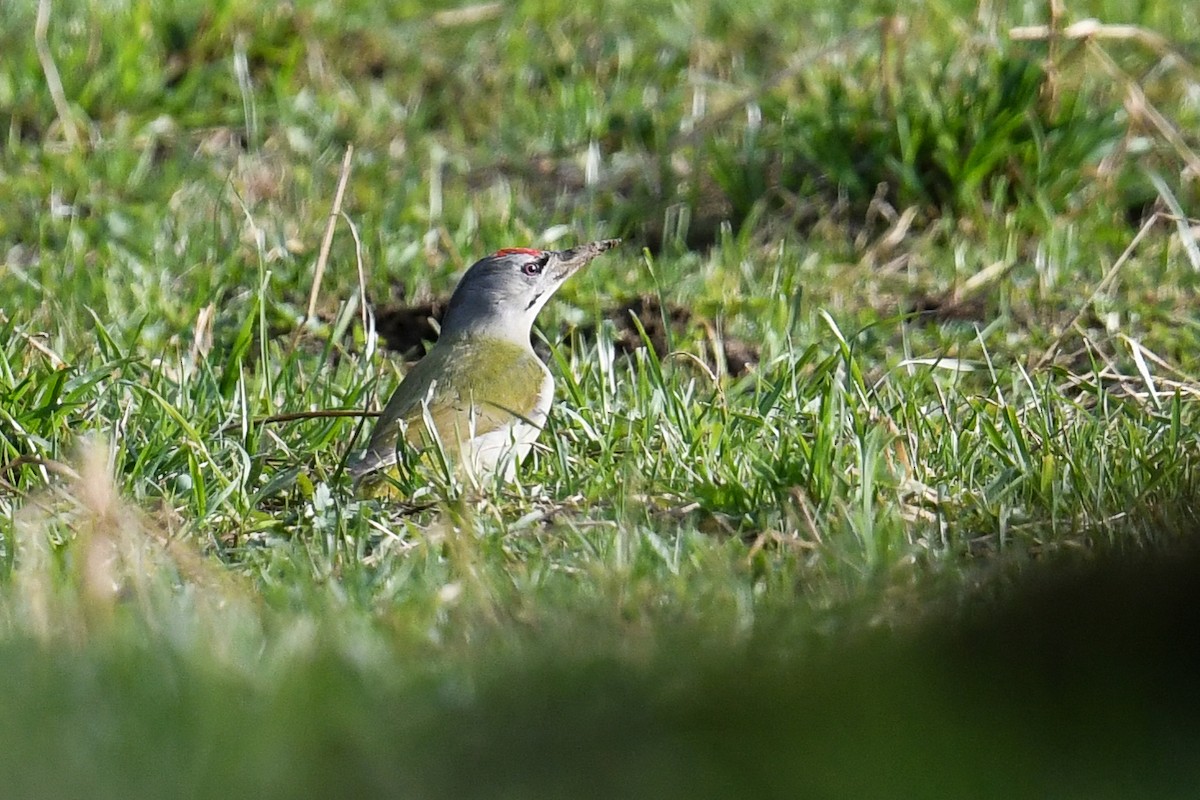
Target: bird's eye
{"points": [[534, 267]]}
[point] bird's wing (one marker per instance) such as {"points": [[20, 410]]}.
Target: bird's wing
{"points": [[443, 386]]}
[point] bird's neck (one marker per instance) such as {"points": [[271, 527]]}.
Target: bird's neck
{"points": [[498, 325]]}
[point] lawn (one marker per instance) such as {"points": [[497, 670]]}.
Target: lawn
{"points": [[872, 470]]}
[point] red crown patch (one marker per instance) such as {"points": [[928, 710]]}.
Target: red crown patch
{"points": [[508, 251]]}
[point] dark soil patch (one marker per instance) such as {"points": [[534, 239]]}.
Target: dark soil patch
{"points": [[946, 307], [665, 329], [407, 328]]}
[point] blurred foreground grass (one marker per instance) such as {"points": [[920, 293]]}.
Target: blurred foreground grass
{"points": [[1065, 680]]}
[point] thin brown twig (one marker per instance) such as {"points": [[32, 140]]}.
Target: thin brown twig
{"points": [[1110, 373], [1091, 33], [56, 360], [53, 80], [296, 416], [329, 413], [1162, 363], [684, 355], [1104, 283], [327, 241], [1053, 46], [1139, 105], [57, 467], [467, 15], [1090, 30]]}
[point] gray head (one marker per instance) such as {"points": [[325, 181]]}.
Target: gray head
{"points": [[501, 294]]}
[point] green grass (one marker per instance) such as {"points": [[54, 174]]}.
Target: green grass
{"points": [[854, 571]]}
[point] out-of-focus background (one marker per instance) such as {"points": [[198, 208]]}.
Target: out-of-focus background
{"points": [[872, 469]]}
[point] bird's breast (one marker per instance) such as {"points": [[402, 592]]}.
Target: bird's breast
{"points": [[502, 449]]}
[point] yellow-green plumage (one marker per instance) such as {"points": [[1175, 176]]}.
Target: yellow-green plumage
{"points": [[469, 388]]}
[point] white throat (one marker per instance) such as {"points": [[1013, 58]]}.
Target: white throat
{"points": [[493, 318]]}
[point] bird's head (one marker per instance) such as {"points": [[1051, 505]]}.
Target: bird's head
{"points": [[501, 294]]}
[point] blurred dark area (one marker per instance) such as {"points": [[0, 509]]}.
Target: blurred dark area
{"points": [[1077, 681], [1065, 679]]}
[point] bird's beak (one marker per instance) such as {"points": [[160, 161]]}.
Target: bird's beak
{"points": [[565, 263]]}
